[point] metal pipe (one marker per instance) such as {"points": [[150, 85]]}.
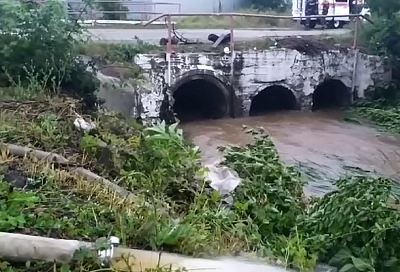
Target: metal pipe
{"points": [[119, 12], [233, 55], [169, 51], [356, 32], [127, 3], [354, 76], [253, 15]]}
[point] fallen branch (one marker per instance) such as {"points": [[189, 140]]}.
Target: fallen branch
{"points": [[23, 151]]}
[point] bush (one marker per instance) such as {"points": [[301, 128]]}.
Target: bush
{"points": [[381, 105], [383, 37], [38, 45]]}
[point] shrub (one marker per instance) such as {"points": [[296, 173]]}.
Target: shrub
{"points": [[38, 44]]}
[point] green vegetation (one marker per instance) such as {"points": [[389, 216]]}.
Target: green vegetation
{"points": [[280, 5], [381, 105], [173, 210], [44, 88]]}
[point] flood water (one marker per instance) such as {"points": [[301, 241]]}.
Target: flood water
{"points": [[323, 145]]}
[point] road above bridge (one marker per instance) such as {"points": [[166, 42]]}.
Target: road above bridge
{"points": [[154, 35]]}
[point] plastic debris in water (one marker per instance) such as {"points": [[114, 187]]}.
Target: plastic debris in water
{"points": [[222, 179]]}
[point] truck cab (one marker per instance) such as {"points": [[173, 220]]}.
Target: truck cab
{"points": [[336, 7]]}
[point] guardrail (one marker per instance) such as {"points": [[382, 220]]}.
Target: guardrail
{"points": [[94, 12], [168, 17]]}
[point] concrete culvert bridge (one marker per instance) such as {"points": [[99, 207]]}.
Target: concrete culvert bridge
{"points": [[199, 98], [272, 99], [331, 94]]}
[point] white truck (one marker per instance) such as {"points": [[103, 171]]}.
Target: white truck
{"points": [[336, 7]]}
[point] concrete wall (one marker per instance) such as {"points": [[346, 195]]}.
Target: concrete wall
{"points": [[256, 70]]}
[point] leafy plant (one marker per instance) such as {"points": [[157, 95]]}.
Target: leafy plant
{"points": [[38, 44], [13, 204], [354, 227], [90, 145]]}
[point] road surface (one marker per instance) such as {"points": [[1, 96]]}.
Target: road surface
{"points": [[154, 35]]}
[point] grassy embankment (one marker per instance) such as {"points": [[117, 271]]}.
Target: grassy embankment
{"points": [[170, 208]]}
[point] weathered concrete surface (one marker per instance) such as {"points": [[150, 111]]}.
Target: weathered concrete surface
{"points": [[254, 71], [154, 35]]}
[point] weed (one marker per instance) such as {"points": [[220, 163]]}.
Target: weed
{"points": [[381, 106]]}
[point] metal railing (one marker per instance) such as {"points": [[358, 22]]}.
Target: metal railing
{"points": [[94, 12], [168, 17]]}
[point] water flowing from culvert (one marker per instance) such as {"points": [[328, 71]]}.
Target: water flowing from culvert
{"points": [[321, 144]]}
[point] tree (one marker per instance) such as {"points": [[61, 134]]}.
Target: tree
{"points": [[279, 5], [384, 35], [384, 8], [104, 6]]}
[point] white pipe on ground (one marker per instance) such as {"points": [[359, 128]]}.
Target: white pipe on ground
{"points": [[22, 248]]}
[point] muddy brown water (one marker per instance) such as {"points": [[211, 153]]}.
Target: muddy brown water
{"points": [[321, 144]]}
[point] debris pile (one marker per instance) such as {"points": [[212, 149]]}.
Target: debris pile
{"points": [[308, 45]]}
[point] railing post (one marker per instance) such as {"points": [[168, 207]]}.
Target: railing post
{"points": [[356, 32], [355, 64], [169, 51], [232, 77]]}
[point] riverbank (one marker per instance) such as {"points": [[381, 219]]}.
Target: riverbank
{"points": [[71, 169], [173, 209]]}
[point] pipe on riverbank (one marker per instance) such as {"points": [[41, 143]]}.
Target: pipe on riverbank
{"points": [[22, 248]]}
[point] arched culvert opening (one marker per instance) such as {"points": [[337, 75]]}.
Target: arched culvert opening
{"points": [[272, 99], [330, 94], [200, 97]]}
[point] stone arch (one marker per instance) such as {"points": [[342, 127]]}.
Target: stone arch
{"points": [[273, 97], [331, 93], [201, 94]]}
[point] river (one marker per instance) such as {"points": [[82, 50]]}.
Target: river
{"points": [[320, 143]]}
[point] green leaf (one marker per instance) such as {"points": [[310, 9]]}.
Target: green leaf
{"points": [[361, 265], [348, 268], [391, 262], [65, 268], [340, 258]]}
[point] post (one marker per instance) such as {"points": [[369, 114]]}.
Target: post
{"points": [[169, 51], [232, 77], [354, 76], [356, 32]]}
